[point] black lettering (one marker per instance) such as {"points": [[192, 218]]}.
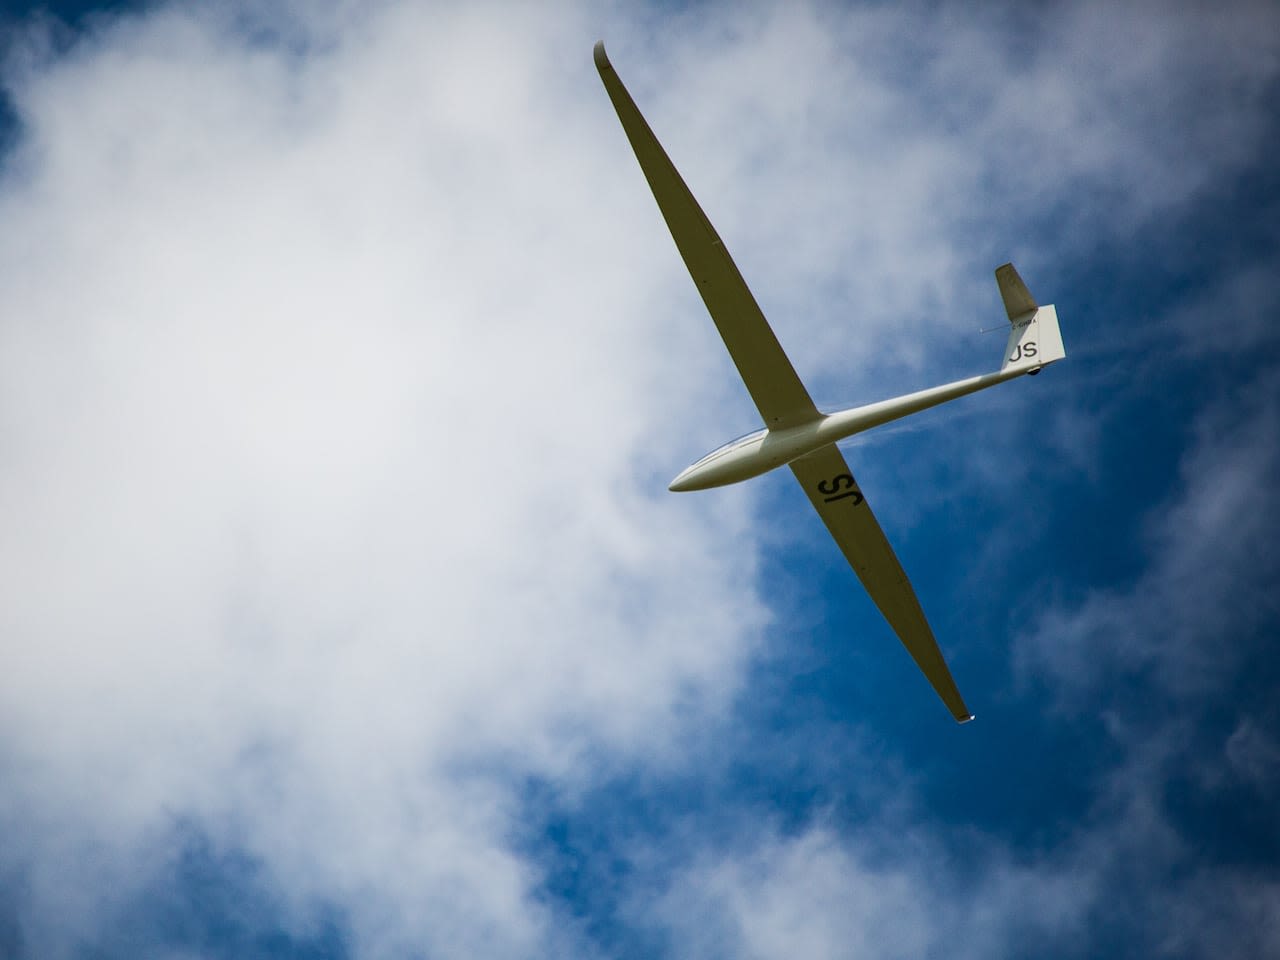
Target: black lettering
{"points": [[857, 497], [831, 489], [835, 484]]}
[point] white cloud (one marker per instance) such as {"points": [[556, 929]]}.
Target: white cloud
{"points": [[324, 413], [815, 894]]}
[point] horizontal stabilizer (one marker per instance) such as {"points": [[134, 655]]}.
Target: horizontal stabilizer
{"points": [[1017, 298]]}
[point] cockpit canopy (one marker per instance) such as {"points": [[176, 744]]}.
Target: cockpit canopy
{"points": [[741, 441]]}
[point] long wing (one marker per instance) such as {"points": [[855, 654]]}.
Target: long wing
{"points": [[771, 380], [825, 476]]}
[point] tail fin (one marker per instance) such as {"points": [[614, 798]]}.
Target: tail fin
{"points": [[1034, 339]]}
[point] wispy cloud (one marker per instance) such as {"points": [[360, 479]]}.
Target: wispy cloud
{"points": [[1206, 589]]}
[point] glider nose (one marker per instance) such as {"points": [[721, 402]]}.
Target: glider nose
{"points": [[688, 479]]}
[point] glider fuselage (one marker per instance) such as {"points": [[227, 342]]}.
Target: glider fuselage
{"points": [[762, 451]]}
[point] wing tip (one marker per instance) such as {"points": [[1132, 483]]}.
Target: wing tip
{"points": [[601, 58], [964, 719]]}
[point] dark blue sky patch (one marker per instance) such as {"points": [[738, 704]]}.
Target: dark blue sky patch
{"points": [[579, 852], [12, 943], [77, 15], [1231, 824], [218, 903]]}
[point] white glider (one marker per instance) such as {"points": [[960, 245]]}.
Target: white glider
{"points": [[796, 433]]}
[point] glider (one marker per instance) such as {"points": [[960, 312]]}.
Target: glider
{"points": [[796, 433]]}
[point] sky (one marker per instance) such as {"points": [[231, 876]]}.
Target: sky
{"points": [[344, 363]]}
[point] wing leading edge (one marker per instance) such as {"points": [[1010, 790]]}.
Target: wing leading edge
{"points": [[834, 493], [772, 382]]}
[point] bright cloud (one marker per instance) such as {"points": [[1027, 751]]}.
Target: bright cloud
{"points": [[326, 417]]}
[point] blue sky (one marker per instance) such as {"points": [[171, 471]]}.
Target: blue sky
{"points": [[345, 360]]}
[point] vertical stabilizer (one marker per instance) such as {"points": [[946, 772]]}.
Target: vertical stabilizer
{"points": [[1034, 337]]}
